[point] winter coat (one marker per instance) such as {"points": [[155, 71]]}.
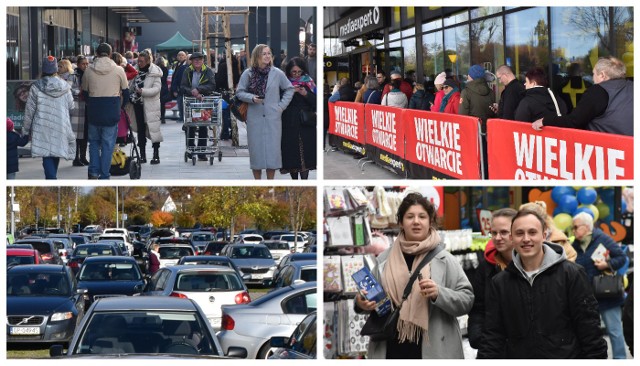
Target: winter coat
{"points": [[551, 315], [176, 78], [537, 103], [206, 84], [151, 104], [264, 120], [617, 259], [298, 141], [395, 99], [13, 141], [47, 119], [475, 99], [405, 87], [420, 100], [78, 113], [372, 96], [438, 100], [105, 83], [453, 104], [455, 298], [510, 98]]}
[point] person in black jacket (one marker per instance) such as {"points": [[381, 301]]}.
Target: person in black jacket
{"points": [[510, 96], [542, 305], [13, 141], [222, 85], [176, 79], [539, 101], [420, 99], [496, 258], [165, 96]]}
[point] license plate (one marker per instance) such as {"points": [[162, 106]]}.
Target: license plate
{"points": [[24, 330], [215, 322], [257, 276]]}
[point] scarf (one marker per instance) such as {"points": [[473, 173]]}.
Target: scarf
{"points": [[138, 82], [445, 100], [258, 80], [414, 315], [305, 81]]}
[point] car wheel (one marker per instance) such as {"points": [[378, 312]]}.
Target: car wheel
{"points": [[265, 351]]}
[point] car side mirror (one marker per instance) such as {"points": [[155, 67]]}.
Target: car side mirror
{"points": [[237, 352], [56, 350], [279, 342]]}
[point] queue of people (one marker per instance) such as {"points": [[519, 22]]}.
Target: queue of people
{"points": [[530, 297]]}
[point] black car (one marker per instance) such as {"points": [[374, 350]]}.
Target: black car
{"points": [[83, 251], [107, 276], [201, 238], [43, 305], [301, 344], [79, 239], [292, 258], [214, 247], [48, 248]]}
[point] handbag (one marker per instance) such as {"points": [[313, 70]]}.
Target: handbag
{"points": [[239, 108], [383, 328], [608, 286], [308, 118]]}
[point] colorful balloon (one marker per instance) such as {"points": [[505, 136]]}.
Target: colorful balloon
{"points": [[604, 210], [562, 221], [568, 204], [587, 196], [559, 191]]}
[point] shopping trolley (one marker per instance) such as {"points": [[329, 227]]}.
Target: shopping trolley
{"points": [[203, 112]]}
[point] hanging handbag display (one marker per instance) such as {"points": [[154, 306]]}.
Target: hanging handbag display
{"points": [[608, 286], [382, 328]]}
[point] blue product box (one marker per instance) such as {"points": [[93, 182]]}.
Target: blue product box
{"points": [[365, 281]]}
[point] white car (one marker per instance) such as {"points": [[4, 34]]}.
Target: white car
{"points": [[249, 239], [210, 286], [290, 238], [170, 253], [120, 238], [278, 249]]}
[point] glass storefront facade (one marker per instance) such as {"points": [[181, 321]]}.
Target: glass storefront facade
{"points": [[565, 41]]}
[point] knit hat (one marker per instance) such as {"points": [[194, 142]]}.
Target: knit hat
{"points": [[104, 49], [440, 78], [49, 65], [9, 125], [450, 83], [476, 72]]}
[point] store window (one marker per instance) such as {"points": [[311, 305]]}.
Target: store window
{"points": [[527, 40], [456, 18], [487, 47], [484, 11], [432, 25], [13, 47], [457, 51], [410, 57], [623, 33], [432, 54]]}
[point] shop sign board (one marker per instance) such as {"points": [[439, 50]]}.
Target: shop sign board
{"points": [[442, 145], [384, 136], [346, 121], [363, 21], [516, 151]]}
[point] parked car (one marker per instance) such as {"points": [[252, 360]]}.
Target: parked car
{"points": [[18, 256], [292, 258], [213, 260], [301, 344], [253, 259], [179, 240], [124, 238], [48, 248], [171, 253], [214, 247], [271, 234], [278, 249], [20, 246], [107, 276], [291, 239], [296, 272], [275, 314], [68, 245], [79, 239], [144, 325], [249, 239], [93, 229], [43, 305], [142, 231], [83, 251], [200, 239], [210, 286]]}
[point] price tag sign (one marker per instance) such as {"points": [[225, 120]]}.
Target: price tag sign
{"points": [[484, 218]]}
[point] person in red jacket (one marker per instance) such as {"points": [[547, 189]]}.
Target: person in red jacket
{"points": [[154, 259], [405, 87], [451, 100]]}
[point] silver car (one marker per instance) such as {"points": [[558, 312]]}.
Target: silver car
{"points": [[276, 314], [253, 259]]}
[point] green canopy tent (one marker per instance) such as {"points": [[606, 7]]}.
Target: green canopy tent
{"points": [[176, 43]]}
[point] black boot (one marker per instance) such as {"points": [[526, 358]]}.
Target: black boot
{"points": [[77, 161], [83, 152], [156, 155], [143, 154]]}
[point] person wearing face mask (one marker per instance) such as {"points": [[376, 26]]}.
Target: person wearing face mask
{"points": [[427, 325], [268, 92], [541, 305]]}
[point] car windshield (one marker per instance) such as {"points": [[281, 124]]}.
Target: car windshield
{"points": [[107, 271], [79, 239], [251, 252], [37, 284], [202, 237], [174, 252], [19, 259], [42, 247], [93, 250], [209, 262], [277, 245], [146, 332], [208, 282]]}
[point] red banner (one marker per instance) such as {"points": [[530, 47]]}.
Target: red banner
{"points": [[517, 151], [447, 143], [346, 120], [385, 128]]}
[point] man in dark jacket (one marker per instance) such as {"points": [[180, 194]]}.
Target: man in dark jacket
{"points": [[587, 239], [176, 79], [542, 305], [222, 85], [510, 96], [197, 81], [606, 106], [497, 256]]}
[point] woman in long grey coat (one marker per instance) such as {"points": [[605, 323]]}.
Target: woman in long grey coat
{"points": [[268, 92], [427, 326]]}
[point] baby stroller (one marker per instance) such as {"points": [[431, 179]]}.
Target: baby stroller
{"points": [[121, 164]]}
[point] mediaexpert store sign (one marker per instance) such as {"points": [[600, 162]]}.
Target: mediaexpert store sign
{"points": [[516, 151]]}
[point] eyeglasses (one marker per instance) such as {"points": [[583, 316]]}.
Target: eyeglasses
{"points": [[446, 86]]}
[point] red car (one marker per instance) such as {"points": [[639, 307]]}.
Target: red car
{"points": [[23, 256]]}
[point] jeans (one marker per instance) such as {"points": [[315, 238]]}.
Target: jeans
{"points": [[613, 321], [226, 124], [50, 165], [180, 107], [102, 140]]}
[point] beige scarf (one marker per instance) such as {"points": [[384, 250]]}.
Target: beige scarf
{"points": [[414, 315]]}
